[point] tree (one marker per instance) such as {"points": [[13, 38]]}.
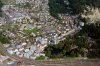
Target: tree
{"points": [[40, 58], [57, 7], [77, 6], [1, 5], [4, 39], [70, 47], [93, 31]]}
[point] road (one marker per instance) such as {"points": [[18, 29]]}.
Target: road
{"points": [[89, 62]]}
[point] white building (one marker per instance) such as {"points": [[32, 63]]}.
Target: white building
{"points": [[29, 52], [23, 44], [12, 51], [42, 40], [26, 50], [81, 23]]}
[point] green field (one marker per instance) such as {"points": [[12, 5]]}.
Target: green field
{"points": [[40, 58], [34, 30]]}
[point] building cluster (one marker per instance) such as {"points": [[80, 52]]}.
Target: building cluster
{"points": [[22, 50], [36, 28]]}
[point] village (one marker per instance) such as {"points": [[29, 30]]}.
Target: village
{"points": [[32, 29]]}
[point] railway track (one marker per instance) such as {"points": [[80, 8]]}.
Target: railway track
{"points": [[88, 62]]}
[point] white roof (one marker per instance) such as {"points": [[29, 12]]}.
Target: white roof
{"points": [[24, 43], [26, 50]]}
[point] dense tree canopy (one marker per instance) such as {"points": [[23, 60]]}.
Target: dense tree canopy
{"points": [[71, 6], [78, 6], [71, 47], [4, 39], [56, 7], [93, 31], [1, 5]]}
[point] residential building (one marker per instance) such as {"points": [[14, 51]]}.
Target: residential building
{"points": [[13, 15]]}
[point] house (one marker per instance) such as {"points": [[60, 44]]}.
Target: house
{"points": [[12, 50], [17, 53], [81, 23], [40, 48], [21, 55], [18, 46], [21, 49], [22, 26], [30, 27], [41, 40], [26, 55], [29, 52], [54, 39], [23, 44]]}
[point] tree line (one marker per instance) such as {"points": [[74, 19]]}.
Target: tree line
{"points": [[1, 5]]}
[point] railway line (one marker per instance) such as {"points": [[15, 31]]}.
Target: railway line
{"points": [[81, 62]]}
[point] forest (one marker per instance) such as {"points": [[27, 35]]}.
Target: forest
{"points": [[74, 7]]}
